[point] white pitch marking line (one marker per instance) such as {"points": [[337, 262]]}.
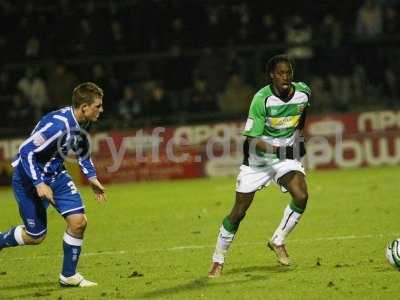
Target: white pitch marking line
{"points": [[48, 256], [332, 238], [190, 247]]}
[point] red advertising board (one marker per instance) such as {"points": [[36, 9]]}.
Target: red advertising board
{"points": [[333, 141]]}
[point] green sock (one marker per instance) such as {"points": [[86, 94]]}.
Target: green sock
{"points": [[295, 208], [232, 228]]}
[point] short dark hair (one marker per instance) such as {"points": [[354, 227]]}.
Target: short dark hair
{"points": [[273, 61], [86, 92]]}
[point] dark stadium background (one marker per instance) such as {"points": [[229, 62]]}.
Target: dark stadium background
{"points": [[191, 67], [178, 63]]}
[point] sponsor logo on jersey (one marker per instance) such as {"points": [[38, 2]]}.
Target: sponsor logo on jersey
{"points": [[283, 122]]}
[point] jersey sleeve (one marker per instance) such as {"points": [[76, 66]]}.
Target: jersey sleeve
{"points": [[39, 141], [256, 119], [303, 87], [83, 156], [87, 167]]}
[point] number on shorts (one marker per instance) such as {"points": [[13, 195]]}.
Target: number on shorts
{"points": [[72, 185]]}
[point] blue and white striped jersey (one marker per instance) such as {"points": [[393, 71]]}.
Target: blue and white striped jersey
{"points": [[41, 156]]}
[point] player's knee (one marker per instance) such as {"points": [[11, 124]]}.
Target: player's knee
{"points": [[78, 226], [301, 199], [81, 225]]}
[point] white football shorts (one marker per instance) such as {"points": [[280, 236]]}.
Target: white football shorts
{"points": [[253, 179]]}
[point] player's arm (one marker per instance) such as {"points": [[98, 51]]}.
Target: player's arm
{"points": [[307, 90], [82, 152], [98, 189], [301, 143], [298, 149], [302, 121], [31, 147], [262, 146], [255, 124], [88, 169]]}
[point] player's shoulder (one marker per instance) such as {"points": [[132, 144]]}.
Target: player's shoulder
{"points": [[262, 94], [302, 87], [58, 118]]}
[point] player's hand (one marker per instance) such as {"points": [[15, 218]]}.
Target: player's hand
{"points": [[99, 190], [45, 192]]}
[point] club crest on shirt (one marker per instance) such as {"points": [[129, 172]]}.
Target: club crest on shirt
{"points": [[274, 111], [300, 108], [38, 139]]}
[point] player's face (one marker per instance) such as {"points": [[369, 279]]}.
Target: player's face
{"points": [[282, 77], [93, 111]]}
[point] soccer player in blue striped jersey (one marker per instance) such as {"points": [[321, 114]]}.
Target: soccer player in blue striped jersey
{"points": [[40, 179]]}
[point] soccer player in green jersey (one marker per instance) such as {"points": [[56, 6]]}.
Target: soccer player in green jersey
{"points": [[273, 149]]}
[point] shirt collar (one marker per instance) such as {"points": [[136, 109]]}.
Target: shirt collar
{"points": [[73, 117]]}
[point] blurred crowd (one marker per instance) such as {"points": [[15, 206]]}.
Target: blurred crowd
{"points": [[178, 61]]}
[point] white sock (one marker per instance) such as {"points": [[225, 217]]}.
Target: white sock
{"points": [[18, 234], [224, 240], [288, 222]]}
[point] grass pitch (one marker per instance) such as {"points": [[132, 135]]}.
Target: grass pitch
{"points": [[155, 240]]}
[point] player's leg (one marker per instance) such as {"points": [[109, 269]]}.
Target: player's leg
{"points": [[248, 182], [294, 182], [228, 230], [72, 245], [69, 204], [296, 185], [17, 236], [33, 213]]}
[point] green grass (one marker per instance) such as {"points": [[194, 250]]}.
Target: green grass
{"points": [[155, 240]]}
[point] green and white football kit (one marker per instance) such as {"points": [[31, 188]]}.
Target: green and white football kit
{"points": [[277, 124]]}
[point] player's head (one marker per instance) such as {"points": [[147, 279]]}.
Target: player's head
{"points": [[279, 70], [87, 99]]}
